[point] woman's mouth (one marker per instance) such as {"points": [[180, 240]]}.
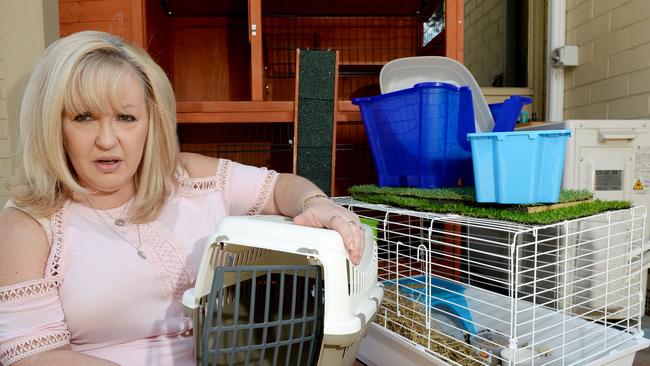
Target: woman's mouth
{"points": [[108, 165]]}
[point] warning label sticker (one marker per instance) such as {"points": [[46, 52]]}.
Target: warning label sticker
{"points": [[641, 169]]}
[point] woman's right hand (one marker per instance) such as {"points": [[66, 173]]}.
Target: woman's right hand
{"points": [[323, 212]]}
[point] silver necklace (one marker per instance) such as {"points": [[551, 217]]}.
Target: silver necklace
{"points": [[120, 221]]}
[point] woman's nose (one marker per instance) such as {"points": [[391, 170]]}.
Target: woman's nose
{"points": [[106, 138]]}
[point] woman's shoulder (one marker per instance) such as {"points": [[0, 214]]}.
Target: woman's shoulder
{"points": [[24, 247], [199, 166]]}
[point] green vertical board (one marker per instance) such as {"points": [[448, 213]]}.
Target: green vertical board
{"points": [[316, 117]]}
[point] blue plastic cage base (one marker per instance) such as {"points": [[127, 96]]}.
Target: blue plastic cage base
{"points": [[443, 295]]}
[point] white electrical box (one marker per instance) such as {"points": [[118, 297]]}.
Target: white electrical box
{"points": [[565, 56], [608, 157]]}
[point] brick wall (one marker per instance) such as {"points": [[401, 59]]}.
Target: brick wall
{"points": [[483, 40], [26, 28], [5, 160], [612, 80]]}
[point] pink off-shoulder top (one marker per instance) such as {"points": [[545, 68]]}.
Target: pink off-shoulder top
{"points": [[102, 298]]}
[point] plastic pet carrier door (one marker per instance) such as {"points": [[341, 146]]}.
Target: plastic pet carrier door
{"points": [[272, 315]]}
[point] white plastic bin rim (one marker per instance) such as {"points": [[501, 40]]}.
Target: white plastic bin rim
{"points": [[404, 73]]}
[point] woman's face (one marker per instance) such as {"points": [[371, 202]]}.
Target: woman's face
{"points": [[105, 150]]}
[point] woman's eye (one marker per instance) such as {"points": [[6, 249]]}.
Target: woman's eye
{"points": [[126, 118], [85, 116]]}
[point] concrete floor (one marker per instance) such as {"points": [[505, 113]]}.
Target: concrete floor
{"points": [[642, 357]]}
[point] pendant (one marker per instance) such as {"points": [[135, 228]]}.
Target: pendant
{"points": [[120, 221], [141, 254]]}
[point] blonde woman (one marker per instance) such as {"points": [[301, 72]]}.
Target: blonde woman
{"points": [[107, 219]]}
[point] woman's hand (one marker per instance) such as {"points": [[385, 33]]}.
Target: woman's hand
{"points": [[322, 212], [299, 198]]}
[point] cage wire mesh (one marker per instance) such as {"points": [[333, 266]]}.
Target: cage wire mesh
{"points": [[354, 162], [364, 43], [263, 315], [485, 292], [270, 145], [260, 144]]}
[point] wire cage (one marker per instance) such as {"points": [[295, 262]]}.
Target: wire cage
{"points": [[269, 292], [469, 291]]}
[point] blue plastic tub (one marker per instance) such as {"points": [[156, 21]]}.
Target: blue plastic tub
{"points": [[518, 167], [444, 295], [506, 114], [418, 136]]}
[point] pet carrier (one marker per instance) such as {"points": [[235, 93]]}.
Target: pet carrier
{"points": [[269, 292], [469, 291]]}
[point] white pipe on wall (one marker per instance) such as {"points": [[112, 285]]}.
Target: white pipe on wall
{"points": [[555, 76]]}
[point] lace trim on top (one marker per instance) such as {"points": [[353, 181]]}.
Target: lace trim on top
{"points": [[263, 195], [55, 262], [27, 346], [220, 181], [28, 290], [224, 171], [33, 289], [166, 256]]}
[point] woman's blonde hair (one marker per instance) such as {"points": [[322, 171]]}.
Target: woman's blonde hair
{"points": [[86, 70]]}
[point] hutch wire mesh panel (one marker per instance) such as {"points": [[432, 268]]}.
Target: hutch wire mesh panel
{"points": [[484, 292], [364, 43], [260, 144], [353, 157]]}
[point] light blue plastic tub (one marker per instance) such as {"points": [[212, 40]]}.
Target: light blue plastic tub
{"points": [[518, 167]]}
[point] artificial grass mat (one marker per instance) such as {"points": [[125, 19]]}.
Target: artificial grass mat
{"points": [[462, 201]]}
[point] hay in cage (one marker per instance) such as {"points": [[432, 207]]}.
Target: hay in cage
{"points": [[411, 324]]}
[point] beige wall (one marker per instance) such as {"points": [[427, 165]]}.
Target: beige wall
{"points": [[483, 41], [26, 27], [612, 80]]}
